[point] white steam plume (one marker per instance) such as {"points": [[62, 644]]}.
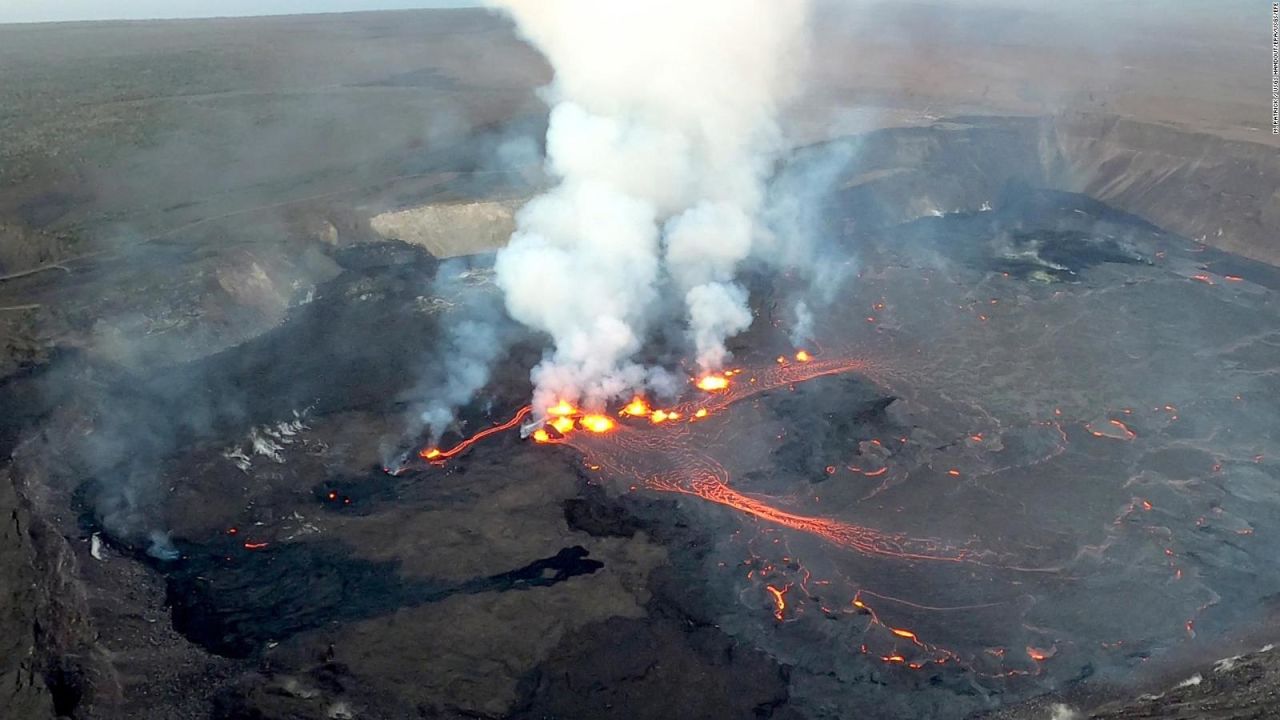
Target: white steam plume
{"points": [[802, 326], [662, 130]]}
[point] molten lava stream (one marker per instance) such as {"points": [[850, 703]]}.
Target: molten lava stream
{"points": [[641, 454], [437, 456], [660, 455], [744, 383], [854, 537]]}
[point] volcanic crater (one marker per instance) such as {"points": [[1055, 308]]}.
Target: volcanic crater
{"points": [[1028, 455], [1000, 428]]}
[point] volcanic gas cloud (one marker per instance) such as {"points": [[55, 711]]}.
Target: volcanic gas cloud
{"points": [[662, 129]]}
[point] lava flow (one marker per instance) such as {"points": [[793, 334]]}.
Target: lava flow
{"points": [[712, 383], [437, 456], [661, 454], [642, 446]]}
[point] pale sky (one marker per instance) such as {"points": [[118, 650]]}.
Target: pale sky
{"points": [[12, 11]]}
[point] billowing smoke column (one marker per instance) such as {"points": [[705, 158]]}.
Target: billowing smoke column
{"points": [[662, 130]]}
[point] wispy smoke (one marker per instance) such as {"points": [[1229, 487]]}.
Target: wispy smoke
{"points": [[801, 324], [474, 338], [799, 237], [475, 345], [662, 130]]}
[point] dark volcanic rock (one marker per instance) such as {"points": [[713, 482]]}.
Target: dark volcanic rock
{"points": [[235, 606], [595, 515], [23, 691], [1240, 687], [827, 417], [641, 669]]}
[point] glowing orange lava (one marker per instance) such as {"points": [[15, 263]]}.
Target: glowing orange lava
{"points": [[562, 409], [802, 356], [1040, 655], [597, 423], [1128, 434], [1117, 430], [779, 596], [921, 652], [662, 457], [713, 383], [666, 456], [436, 455]]}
